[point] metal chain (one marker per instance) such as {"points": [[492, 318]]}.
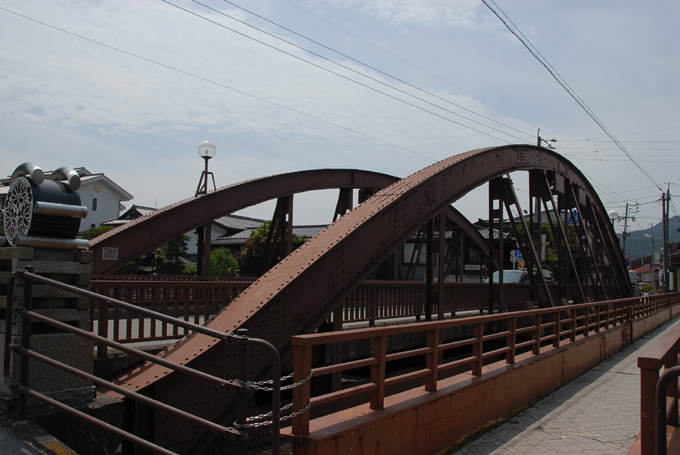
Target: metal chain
{"points": [[252, 422], [297, 413], [258, 385]]}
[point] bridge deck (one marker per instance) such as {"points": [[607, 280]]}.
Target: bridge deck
{"points": [[597, 413]]}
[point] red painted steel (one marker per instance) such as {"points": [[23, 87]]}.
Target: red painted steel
{"points": [[661, 356], [551, 327], [299, 293], [149, 232], [195, 300]]}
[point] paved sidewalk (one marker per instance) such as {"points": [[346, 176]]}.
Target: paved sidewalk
{"points": [[597, 413]]}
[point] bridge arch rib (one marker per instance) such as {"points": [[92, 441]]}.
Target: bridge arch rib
{"points": [[298, 294], [149, 232]]}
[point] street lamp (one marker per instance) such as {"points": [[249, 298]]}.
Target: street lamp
{"points": [[206, 150], [614, 216]]}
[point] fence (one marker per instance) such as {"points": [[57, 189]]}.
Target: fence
{"points": [[197, 300], [239, 429], [662, 356], [515, 333], [191, 300]]}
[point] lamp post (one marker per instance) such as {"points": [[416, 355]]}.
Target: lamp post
{"points": [[206, 150]]}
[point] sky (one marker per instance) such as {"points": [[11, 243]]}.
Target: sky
{"points": [[131, 87]]}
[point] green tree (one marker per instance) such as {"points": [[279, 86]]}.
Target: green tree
{"points": [[223, 263], [168, 257], [254, 246], [93, 232]]}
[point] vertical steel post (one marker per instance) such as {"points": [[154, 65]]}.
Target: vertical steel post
{"points": [[26, 343], [429, 270], [378, 373], [432, 360], [302, 394], [242, 393], [669, 376]]}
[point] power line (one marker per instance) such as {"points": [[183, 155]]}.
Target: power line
{"points": [[560, 80], [391, 54], [356, 61], [341, 75], [204, 79]]}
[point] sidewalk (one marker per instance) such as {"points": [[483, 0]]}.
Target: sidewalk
{"points": [[597, 413]]}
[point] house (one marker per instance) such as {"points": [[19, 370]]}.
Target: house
{"points": [[101, 195]]}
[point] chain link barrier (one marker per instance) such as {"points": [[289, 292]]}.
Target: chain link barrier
{"points": [[262, 385], [260, 420]]}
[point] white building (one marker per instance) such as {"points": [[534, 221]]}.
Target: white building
{"points": [[101, 195]]}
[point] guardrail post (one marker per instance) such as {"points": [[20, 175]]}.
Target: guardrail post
{"points": [[536, 348], [668, 379], [26, 343], [478, 348], [557, 328], [512, 338], [432, 360], [648, 380], [301, 394], [378, 373], [672, 390]]}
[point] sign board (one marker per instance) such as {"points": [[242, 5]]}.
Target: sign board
{"points": [[573, 218], [109, 254], [516, 255]]}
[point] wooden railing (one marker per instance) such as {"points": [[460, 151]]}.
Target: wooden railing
{"points": [[189, 300], [198, 299], [662, 356], [514, 333]]}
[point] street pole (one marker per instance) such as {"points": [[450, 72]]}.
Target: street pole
{"points": [[666, 206], [625, 227]]}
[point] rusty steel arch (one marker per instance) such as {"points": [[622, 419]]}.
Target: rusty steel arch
{"points": [[299, 293], [149, 232]]}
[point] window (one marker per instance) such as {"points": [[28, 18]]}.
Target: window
{"points": [[94, 204]]}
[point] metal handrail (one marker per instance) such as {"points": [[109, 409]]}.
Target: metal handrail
{"points": [[660, 421], [23, 349], [562, 326]]}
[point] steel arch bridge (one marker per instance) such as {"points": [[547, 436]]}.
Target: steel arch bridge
{"points": [[300, 292]]}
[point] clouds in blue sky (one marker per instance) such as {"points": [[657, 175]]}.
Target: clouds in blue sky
{"points": [[130, 88]]}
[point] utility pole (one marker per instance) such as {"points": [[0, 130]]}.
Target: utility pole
{"points": [[540, 141], [665, 203], [625, 228]]}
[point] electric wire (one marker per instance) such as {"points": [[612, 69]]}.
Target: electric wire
{"points": [[360, 63], [219, 84], [560, 80], [391, 54], [343, 76]]}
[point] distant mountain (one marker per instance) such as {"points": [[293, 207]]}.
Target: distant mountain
{"points": [[638, 245]]}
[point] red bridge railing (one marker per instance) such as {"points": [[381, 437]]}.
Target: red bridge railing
{"points": [[509, 333], [198, 299]]}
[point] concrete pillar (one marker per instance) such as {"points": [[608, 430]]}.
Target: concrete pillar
{"points": [[72, 267]]}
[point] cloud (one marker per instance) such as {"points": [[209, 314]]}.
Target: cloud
{"points": [[175, 79]]}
